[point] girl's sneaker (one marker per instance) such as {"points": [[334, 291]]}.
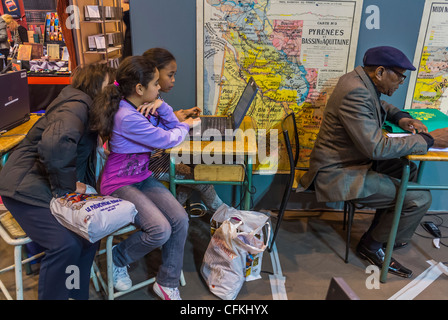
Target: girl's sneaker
{"points": [[122, 281], [165, 293]]}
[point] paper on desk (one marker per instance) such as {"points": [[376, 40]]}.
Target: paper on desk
{"points": [[398, 135]]}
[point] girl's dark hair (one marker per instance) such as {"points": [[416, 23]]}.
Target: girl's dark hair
{"points": [[161, 56], [132, 71], [89, 79]]}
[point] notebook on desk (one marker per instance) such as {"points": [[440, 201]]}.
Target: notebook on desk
{"points": [[225, 125], [14, 100], [432, 118]]}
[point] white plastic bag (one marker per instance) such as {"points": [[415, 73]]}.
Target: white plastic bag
{"points": [[252, 220], [223, 265], [92, 216], [235, 251]]}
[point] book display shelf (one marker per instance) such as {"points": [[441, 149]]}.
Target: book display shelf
{"points": [[100, 34]]}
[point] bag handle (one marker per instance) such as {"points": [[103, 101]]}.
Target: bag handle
{"points": [[252, 234], [255, 231]]}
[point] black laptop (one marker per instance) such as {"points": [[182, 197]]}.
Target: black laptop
{"points": [[14, 100], [224, 126]]}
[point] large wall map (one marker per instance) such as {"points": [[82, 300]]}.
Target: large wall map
{"points": [[295, 50], [428, 86]]}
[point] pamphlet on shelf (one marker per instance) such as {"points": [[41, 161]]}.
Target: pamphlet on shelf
{"points": [[24, 52], [91, 13], [108, 13], [92, 43], [100, 42], [37, 50], [65, 54], [53, 51]]}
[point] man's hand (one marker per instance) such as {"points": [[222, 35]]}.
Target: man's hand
{"points": [[412, 125], [440, 137]]}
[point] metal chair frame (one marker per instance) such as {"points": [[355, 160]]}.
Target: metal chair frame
{"points": [[108, 285], [292, 140], [292, 158], [18, 262]]}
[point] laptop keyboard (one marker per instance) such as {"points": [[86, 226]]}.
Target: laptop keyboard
{"points": [[218, 123]]}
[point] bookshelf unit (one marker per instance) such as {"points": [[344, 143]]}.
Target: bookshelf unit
{"points": [[100, 34]]}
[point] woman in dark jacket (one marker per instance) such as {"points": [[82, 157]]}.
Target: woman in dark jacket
{"points": [[57, 157]]}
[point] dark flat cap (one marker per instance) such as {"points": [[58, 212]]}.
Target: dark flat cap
{"points": [[387, 57]]}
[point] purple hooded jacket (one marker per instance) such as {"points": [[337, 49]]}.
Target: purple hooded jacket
{"points": [[132, 141]]}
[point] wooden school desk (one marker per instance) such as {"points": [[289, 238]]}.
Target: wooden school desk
{"points": [[228, 174], [422, 159], [10, 139]]}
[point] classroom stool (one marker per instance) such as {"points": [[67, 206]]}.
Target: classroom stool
{"points": [[13, 234]]}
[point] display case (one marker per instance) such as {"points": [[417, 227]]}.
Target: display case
{"points": [[99, 37]]}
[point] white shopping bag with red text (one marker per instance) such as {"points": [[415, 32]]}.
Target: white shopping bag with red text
{"points": [[224, 264]]}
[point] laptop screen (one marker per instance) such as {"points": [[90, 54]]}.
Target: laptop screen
{"points": [[14, 99], [244, 103]]}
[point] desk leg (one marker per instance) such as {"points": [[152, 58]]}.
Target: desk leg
{"points": [[420, 171], [173, 176], [393, 231], [247, 194]]}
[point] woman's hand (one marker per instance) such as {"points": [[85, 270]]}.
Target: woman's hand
{"points": [[412, 125], [150, 108], [80, 187]]}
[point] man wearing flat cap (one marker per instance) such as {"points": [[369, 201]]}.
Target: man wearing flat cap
{"points": [[353, 160]]}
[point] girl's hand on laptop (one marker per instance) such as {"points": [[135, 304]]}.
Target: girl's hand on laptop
{"points": [[193, 112], [182, 114], [192, 122]]}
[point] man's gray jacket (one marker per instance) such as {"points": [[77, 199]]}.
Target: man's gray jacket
{"points": [[351, 139]]}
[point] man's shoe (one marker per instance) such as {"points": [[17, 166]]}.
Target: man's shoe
{"points": [[377, 258], [397, 245]]}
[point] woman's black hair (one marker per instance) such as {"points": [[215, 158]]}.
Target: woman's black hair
{"points": [[89, 79], [161, 56], [132, 71]]}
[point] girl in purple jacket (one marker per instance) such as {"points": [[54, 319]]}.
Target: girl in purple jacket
{"points": [[160, 160], [132, 137]]}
